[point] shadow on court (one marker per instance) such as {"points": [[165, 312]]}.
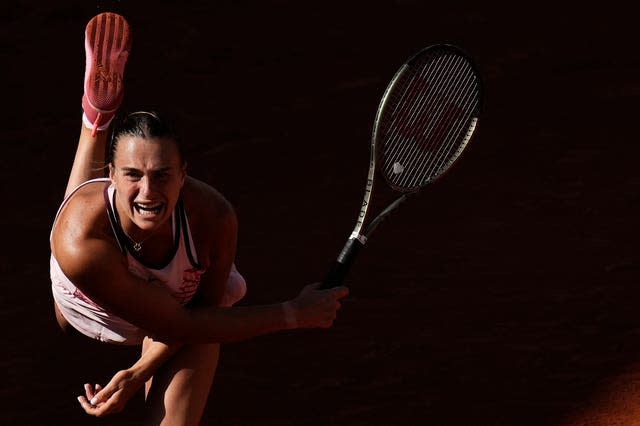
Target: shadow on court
{"points": [[504, 294]]}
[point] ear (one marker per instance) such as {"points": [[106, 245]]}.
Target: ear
{"points": [[183, 173], [112, 172]]}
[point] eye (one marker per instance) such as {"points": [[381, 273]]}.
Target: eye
{"points": [[132, 175], [161, 175]]}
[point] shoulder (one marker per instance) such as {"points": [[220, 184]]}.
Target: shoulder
{"points": [[83, 215], [212, 218], [82, 221], [202, 200], [85, 201]]}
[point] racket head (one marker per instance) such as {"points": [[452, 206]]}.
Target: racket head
{"points": [[426, 117]]}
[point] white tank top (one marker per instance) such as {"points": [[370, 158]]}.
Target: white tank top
{"points": [[180, 276]]}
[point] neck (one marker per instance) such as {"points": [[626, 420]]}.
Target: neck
{"points": [[139, 239]]}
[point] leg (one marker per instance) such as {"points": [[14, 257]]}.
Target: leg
{"points": [[89, 160], [179, 390], [62, 321], [107, 46]]}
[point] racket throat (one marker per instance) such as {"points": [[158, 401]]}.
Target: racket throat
{"points": [[359, 237]]}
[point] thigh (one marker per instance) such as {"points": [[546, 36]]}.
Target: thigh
{"points": [[62, 321], [179, 390]]}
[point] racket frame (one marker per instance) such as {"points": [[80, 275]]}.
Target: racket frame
{"points": [[358, 237]]}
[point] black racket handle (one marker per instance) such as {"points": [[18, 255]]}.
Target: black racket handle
{"points": [[341, 266]]}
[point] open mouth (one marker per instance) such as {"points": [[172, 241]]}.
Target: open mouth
{"points": [[148, 209]]}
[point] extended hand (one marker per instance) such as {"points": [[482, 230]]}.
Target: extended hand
{"points": [[316, 308], [112, 398]]}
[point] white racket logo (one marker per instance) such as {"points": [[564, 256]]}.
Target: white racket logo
{"points": [[397, 168]]}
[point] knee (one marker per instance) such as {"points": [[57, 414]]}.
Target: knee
{"points": [[236, 288], [62, 321]]}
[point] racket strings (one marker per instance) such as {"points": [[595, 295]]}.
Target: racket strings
{"points": [[451, 132], [426, 159], [404, 117], [429, 130], [424, 127], [428, 123]]}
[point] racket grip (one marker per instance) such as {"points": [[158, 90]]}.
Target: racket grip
{"points": [[340, 267]]}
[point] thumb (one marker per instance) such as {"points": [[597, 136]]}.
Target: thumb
{"points": [[340, 292], [101, 395], [314, 286]]}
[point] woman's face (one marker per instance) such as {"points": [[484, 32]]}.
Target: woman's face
{"points": [[148, 175]]}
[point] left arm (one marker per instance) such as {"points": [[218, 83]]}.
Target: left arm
{"points": [[125, 383]]}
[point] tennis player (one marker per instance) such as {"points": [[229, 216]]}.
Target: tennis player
{"points": [[146, 256]]}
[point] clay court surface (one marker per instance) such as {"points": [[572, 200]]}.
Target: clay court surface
{"points": [[505, 294]]}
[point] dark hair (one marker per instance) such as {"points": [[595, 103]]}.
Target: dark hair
{"points": [[144, 124]]}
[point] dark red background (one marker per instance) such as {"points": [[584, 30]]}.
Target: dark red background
{"points": [[505, 294]]}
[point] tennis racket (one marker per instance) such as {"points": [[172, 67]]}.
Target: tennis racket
{"points": [[425, 119]]}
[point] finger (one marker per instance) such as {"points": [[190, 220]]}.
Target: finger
{"points": [[109, 406], [102, 394], [96, 399], [313, 286], [102, 409], [329, 317], [88, 391], [86, 405], [340, 292]]}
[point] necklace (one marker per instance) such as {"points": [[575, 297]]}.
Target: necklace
{"points": [[136, 245]]}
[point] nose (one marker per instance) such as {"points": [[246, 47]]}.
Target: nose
{"points": [[146, 186]]}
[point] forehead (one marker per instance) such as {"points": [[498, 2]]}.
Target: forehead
{"points": [[136, 150]]}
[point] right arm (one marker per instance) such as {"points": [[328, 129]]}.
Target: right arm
{"points": [[92, 261], [98, 270]]}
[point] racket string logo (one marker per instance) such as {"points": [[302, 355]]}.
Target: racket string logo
{"points": [[397, 168]]}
